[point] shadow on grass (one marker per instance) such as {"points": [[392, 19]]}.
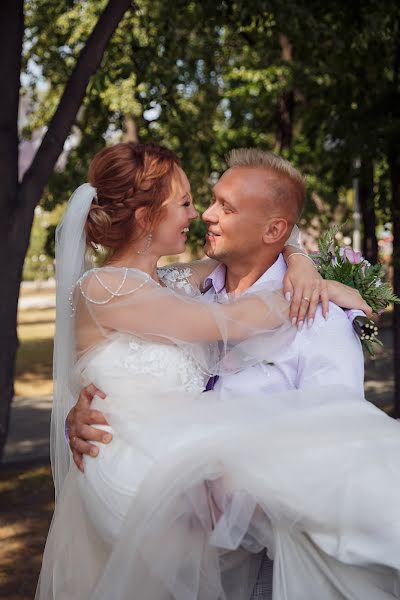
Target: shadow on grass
{"points": [[46, 321], [26, 508], [35, 358]]}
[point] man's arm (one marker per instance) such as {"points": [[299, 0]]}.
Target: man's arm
{"points": [[79, 426], [330, 353]]}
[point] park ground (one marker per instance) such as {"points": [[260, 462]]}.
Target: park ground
{"points": [[26, 489]]}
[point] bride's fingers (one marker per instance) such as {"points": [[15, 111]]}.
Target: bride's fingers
{"points": [[312, 307], [368, 310], [305, 301], [295, 306], [324, 299], [287, 288]]}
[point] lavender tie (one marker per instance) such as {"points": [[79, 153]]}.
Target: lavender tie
{"points": [[211, 383]]}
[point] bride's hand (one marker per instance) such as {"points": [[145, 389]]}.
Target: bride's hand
{"points": [[305, 288], [347, 297]]}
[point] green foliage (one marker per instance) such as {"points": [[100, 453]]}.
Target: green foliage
{"points": [[317, 83], [325, 244], [375, 292]]}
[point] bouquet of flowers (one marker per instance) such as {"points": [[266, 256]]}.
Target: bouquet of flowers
{"points": [[345, 265]]}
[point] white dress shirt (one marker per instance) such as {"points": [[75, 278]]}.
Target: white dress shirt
{"points": [[327, 353]]}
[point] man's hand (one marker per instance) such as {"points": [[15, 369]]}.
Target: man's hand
{"points": [[79, 422]]}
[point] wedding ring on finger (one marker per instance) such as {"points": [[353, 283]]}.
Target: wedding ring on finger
{"points": [[72, 442], [306, 299]]}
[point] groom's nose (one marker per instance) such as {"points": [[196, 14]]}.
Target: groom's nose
{"points": [[210, 215]]}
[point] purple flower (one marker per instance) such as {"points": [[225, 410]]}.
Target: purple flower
{"points": [[316, 258], [353, 257]]}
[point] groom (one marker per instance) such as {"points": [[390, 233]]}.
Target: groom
{"points": [[255, 204]]}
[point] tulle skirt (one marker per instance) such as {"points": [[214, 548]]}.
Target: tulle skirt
{"points": [[192, 488]]}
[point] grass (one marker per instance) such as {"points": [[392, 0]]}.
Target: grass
{"points": [[34, 368], [36, 291], [26, 508]]}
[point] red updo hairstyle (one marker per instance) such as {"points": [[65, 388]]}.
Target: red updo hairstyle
{"points": [[127, 176]]}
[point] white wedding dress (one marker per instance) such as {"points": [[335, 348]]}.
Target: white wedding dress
{"points": [[192, 486]]}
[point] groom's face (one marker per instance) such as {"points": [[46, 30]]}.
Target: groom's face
{"points": [[238, 214]]}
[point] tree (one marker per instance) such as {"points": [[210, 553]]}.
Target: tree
{"points": [[19, 199], [161, 70]]}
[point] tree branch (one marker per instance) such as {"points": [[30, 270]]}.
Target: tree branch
{"points": [[88, 61]]}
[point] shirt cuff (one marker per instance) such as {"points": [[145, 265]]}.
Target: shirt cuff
{"points": [[353, 313]]}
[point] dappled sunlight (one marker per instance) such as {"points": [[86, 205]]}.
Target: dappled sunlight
{"points": [[36, 316], [26, 510], [32, 384], [34, 371]]}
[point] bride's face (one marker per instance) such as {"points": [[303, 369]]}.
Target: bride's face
{"points": [[170, 235]]}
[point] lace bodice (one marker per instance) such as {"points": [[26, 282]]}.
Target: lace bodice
{"points": [[126, 358]]}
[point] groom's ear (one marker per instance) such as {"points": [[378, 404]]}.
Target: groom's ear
{"points": [[276, 230]]}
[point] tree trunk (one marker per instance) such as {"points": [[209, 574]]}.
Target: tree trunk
{"points": [[131, 129], [285, 104], [18, 202], [11, 32], [367, 205], [394, 168]]}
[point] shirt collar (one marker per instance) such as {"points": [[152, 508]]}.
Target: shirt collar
{"points": [[216, 279], [276, 272]]}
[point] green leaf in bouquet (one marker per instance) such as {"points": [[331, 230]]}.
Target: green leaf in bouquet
{"points": [[343, 272], [327, 240]]}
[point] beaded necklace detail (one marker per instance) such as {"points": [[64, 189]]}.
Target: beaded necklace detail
{"points": [[113, 293]]}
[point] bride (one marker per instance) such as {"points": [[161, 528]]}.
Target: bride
{"points": [[190, 487]]}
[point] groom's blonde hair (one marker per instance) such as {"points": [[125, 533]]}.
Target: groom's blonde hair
{"points": [[287, 182]]}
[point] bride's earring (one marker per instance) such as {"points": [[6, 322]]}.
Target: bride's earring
{"points": [[147, 246]]}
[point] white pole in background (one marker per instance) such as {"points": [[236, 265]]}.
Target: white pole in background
{"points": [[356, 205]]}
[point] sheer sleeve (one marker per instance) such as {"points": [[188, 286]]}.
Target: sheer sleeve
{"points": [[294, 239], [110, 300]]}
